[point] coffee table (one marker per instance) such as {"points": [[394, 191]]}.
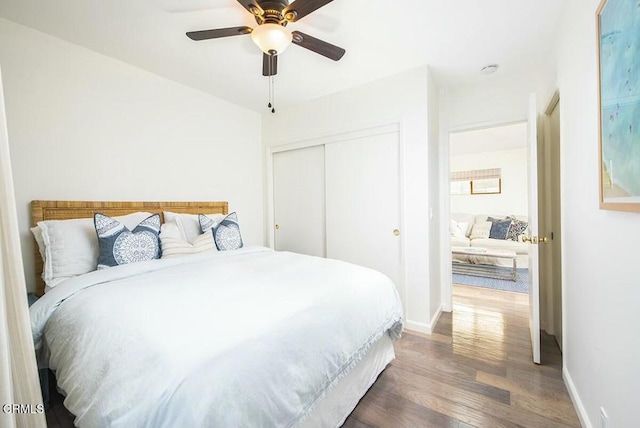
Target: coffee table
{"points": [[484, 262]]}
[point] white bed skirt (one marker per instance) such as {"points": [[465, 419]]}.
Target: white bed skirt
{"points": [[340, 401]]}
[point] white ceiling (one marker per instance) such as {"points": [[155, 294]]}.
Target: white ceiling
{"points": [[456, 38], [488, 140]]}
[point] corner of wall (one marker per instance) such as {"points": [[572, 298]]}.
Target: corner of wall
{"points": [[425, 328]]}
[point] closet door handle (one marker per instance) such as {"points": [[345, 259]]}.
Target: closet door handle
{"points": [[396, 232], [277, 226]]}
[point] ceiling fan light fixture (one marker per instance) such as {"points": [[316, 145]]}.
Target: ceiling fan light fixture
{"points": [[271, 37]]}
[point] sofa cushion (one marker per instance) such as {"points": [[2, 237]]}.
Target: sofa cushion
{"points": [[460, 241], [501, 244]]}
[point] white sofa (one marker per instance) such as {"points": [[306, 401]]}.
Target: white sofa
{"points": [[520, 248]]}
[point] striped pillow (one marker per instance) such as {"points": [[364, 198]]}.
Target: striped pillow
{"points": [[174, 247]]}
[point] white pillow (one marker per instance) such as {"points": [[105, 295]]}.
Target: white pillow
{"points": [[37, 233], [188, 223], [481, 230], [71, 246], [175, 247], [459, 229], [170, 230], [468, 218]]}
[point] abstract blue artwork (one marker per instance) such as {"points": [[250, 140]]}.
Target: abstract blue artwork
{"points": [[619, 59]]}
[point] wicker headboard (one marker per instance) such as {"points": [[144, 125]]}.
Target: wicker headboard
{"points": [[64, 210]]}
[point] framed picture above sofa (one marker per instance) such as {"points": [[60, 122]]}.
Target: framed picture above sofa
{"points": [[486, 186], [477, 182]]}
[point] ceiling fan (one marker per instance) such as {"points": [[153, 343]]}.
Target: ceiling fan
{"points": [[271, 34]]}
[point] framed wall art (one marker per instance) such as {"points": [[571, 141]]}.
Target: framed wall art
{"points": [[619, 102], [476, 182]]}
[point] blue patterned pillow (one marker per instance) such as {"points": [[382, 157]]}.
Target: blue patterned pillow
{"points": [[517, 228], [120, 246], [499, 228], [226, 234]]}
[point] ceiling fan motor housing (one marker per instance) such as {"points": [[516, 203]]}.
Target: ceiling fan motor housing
{"points": [[273, 12]]}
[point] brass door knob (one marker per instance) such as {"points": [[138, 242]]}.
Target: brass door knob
{"points": [[277, 226], [535, 239], [396, 232]]}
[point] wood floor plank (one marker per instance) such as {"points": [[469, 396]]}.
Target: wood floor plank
{"points": [[387, 409], [441, 397], [557, 411], [458, 379]]}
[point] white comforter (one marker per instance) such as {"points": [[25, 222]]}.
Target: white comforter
{"points": [[246, 338]]}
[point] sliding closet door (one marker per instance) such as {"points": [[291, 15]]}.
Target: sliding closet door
{"points": [[362, 203], [298, 186]]}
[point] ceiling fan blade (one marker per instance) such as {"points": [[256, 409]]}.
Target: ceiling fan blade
{"points": [[301, 8], [220, 32], [318, 46], [252, 6], [269, 65]]}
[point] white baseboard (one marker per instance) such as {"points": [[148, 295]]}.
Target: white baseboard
{"points": [[575, 398], [421, 327], [435, 318]]}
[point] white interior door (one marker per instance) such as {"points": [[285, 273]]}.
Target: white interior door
{"points": [[298, 194], [363, 203], [534, 277]]}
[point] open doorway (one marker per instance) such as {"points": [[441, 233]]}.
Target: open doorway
{"points": [[489, 209], [470, 157]]}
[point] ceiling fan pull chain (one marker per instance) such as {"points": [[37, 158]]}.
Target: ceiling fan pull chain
{"points": [[273, 94], [271, 103]]}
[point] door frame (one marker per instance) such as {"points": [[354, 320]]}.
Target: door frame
{"points": [[380, 129], [445, 213], [555, 102]]}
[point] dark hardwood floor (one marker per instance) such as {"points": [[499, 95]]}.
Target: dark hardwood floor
{"points": [[474, 371]]}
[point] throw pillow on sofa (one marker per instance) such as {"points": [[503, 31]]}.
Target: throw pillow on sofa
{"points": [[459, 229], [481, 230], [499, 228], [517, 228]]}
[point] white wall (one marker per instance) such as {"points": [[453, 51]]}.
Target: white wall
{"points": [[435, 234], [515, 190], [600, 256], [83, 126], [400, 99], [498, 99]]}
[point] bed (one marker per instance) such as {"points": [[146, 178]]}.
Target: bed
{"points": [[247, 337]]}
